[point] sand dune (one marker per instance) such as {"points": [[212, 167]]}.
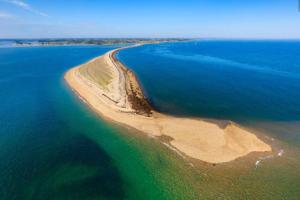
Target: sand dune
{"points": [[113, 90]]}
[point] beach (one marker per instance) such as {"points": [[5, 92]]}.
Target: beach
{"points": [[113, 91]]}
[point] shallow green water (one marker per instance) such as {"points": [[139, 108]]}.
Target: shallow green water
{"points": [[52, 146], [254, 83]]}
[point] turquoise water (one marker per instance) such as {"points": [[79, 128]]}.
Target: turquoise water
{"points": [[53, 147], [255, 83], [37, 143], [251, 82]]}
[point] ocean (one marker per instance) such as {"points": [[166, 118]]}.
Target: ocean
{"points": [[250, 82], [52, 146]]}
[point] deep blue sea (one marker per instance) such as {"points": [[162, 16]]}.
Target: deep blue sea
{"points": [[251, 82], [41, 152], [53, 147]]}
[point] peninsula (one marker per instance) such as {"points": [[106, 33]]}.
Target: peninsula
{"points": [[112, 90]]}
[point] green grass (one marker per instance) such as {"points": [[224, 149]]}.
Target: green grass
{"points": [[97, 72]]}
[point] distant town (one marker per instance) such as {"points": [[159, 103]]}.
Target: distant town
{"points": [[85, 41]]}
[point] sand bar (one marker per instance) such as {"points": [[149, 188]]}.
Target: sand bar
{"points": [[113, 90]]}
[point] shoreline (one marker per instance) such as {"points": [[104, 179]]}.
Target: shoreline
{"points": [[113, 91]]}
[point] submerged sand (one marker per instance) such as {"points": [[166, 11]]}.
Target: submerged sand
{"points": [[113, 90]]}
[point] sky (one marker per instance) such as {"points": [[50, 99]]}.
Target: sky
{"points": [[266, 19]]}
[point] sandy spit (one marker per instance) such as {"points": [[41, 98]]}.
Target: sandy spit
{"points": [[196, 138]]}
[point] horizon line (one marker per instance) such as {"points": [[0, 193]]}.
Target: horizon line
{"points": [[149, 38]]}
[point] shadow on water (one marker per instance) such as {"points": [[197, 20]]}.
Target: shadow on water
{"points": [[78, 169], [42, 157], [53, 147]]}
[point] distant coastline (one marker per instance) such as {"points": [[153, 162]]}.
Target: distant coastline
{"points": [[112, 90], [84, 42]]}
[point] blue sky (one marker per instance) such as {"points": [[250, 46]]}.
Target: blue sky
{"points": [[150, 18]]}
